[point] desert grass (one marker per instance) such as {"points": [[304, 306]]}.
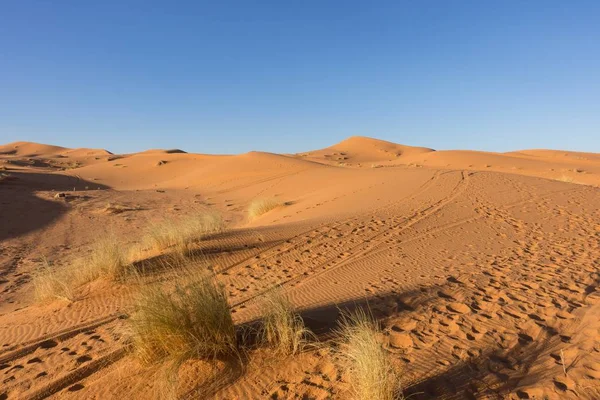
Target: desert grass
{"points": [[105, 260], [372, 373], [191, 320], [182, 233], [259, 207], [282, 329], [566, 178], [570, 179], [50, 282], [182, 315]]}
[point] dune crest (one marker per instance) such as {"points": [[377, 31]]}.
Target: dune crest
{"points": [[362, 150], [32, 149]]}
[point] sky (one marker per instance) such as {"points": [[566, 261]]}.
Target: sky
{"points": [[280, 76]]}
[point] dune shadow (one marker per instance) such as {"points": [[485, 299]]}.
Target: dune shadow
{"points": [[492, 375], [23, 211], [205, 255], [323, 321]]}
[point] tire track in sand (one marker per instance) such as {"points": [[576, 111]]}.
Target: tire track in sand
{"points": [[333, 262]]}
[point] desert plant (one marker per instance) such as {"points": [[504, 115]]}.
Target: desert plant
{"points": [[282, 329], [570, 179], [367, 362], [259, 207], [191, 321], [106, 259], [50, 282], [182, 233], [565, 178]]}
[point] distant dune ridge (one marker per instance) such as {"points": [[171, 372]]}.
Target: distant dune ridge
{"points": [[31, 149], [476, 273], [359, 149], [355, 152]]}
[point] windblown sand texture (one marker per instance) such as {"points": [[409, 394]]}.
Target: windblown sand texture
{"points": [[481, 268]]}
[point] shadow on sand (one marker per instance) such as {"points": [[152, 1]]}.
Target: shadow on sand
{"points": [[23, 211], [493, 374]]}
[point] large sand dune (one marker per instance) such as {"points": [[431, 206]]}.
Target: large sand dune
{"points": [[482, 268]]}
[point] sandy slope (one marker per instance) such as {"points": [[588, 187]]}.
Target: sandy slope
{"points": [[482, 267], [362, 150]]}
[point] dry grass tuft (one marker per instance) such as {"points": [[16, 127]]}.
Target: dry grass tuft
{"points": [[183, 233], [191, 321], [282, 329], [106, 260], [569, 179], [372, 373], [259, 207], [51, 283], [565, 178]]}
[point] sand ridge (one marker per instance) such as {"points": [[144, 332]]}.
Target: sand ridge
{"points": [[482, 268], [362, 150]]}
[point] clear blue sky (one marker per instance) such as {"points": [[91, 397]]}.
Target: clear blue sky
{"points": [[229, 77]]}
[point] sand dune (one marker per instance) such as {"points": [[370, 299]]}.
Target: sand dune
{"points": [[481, 268], [30, 149], [362, 150], [573, 155], [543, 164]]}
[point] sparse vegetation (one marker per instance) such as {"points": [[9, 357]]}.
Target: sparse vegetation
{"points": [[282, 329], [70, 165], [373, 375], [106, 259], [193, 320], [50, 283], [182, 233], [259, 207], [565, 178]]}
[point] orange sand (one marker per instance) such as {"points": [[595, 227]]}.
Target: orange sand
{"points": [[481, 267]]}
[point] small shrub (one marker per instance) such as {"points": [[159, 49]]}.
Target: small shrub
{"points": [[372, 374], [259, 207], [282, 329], [192, 321]]}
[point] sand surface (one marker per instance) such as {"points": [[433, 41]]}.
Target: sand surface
{"points": [[482, 268]]}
